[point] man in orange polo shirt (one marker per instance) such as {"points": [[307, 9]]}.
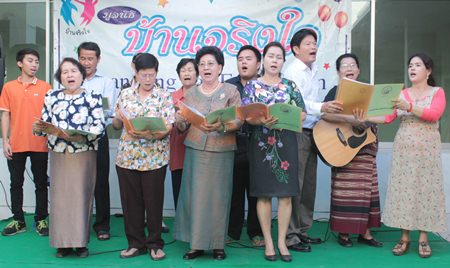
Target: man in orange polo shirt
{"points": [[21, 102]]}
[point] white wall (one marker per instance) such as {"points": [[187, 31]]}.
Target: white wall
{"points": [[322, 207]]}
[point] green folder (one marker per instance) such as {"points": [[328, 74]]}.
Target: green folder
{"points": [[381, 102], [105, 103], [289, 116], [148, 123], [223, 115]]}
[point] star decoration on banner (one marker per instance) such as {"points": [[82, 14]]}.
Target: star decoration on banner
{"points": [[326, 66], [163, 3]]}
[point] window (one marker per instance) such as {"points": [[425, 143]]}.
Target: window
{"points": [[403, 28]]}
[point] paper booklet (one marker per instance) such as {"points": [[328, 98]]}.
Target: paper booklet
{"points": [[289, 116], [196, 118], [375, 100], [59, 132], [143, 123]]}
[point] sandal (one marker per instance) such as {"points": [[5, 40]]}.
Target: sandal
{"points": [[258, 241], [154, 254], [132, 252], [424, 249], [103, 235], [400, 248]]}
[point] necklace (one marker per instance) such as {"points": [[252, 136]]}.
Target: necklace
{"points": [[209, 91], [418, 94]]}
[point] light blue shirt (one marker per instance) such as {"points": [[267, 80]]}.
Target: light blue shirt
{"points": [[104, 86]]}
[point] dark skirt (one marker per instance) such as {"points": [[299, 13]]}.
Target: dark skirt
{"points": [[355, 200], [273, 161]]}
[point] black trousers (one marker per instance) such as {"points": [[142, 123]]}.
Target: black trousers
{"points": [[16, 168], [142, 196], [176, 184], [101, 194], [241, 181]]}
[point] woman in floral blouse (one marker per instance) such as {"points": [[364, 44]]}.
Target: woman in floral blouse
{"points": [[272, 153], [72, 157], [142, 160]]}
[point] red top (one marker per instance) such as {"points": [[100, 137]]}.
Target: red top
{"points": [[430, 114], [177, 147]]}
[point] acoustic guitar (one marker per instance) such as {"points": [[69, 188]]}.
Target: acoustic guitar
{"points": [[338, 143]]}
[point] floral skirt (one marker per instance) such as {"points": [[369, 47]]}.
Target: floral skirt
{"points": [[273, 160]]}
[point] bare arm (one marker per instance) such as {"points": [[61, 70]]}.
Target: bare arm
{"points": [[340, 118], [5, 130]]}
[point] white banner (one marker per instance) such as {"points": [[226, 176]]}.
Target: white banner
{"points": [[173, 29]]}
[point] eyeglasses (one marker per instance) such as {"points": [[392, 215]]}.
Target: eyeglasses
{"points": [[208, 64], [350, 66]]}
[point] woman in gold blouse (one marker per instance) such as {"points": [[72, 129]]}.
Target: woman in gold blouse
{"points": [[142, 160]]}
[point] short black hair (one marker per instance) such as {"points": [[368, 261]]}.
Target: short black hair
{"points": [[133, 60], [429, 65], [252, 48], [89, 46], [74, 62], [298, 37], [211, 50], [21, 53], [183, 62], [146, 61], [343, 56]]}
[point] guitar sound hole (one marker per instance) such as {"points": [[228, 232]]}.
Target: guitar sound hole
{"points": [[355, 141]]}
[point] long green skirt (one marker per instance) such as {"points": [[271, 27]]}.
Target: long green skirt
{"points": [[204, 202]]}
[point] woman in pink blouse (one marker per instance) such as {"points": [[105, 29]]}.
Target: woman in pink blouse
{"points": [[187, 72], [415, 195], [142, 160]]}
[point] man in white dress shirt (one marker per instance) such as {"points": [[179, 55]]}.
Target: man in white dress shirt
{"points": [[89, 57], [303, 71]]}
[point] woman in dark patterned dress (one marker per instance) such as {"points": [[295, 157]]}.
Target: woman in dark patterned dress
{"points": [[272, 152]]}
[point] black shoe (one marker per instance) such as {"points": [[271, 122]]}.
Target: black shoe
{"points": [[345, 242], [42, 228], [270, 257], [14, 227], [165, 229], [309, 240], [301, 247], [82, 252], [192, 254], [285, 258], [63, 252], [371, 242], [219, 254]]}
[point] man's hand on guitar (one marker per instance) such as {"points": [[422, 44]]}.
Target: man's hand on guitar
{"points": [[332, 107]]}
